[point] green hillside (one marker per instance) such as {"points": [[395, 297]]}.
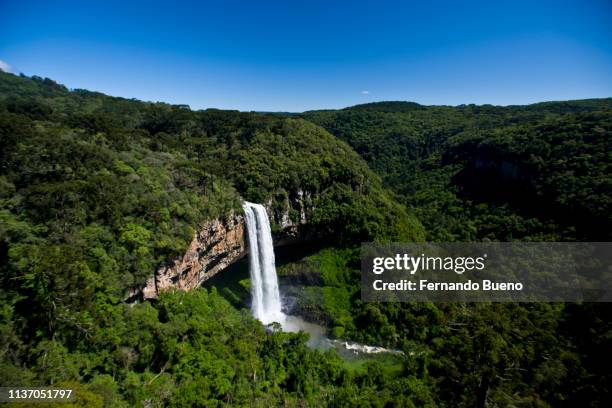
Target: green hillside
{"points": [[96, 192], [536, 172]]}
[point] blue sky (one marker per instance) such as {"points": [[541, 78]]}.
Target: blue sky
{"points": [[294, 56]]}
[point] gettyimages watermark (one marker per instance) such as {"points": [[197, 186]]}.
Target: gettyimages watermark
{"points": [[487, 272]]}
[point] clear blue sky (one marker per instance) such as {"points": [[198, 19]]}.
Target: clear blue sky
{"points": [[294, 56]]}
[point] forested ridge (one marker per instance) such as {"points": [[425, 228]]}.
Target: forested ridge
{"points": [[535, 172], [96, 192]]}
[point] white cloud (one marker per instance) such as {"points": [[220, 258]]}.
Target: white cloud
{"points": [[365, 92], [5, 67]]}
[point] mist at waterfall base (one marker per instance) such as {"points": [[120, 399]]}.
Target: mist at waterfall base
{"points": [[266, 300]]}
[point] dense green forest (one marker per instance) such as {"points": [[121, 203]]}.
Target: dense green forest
{"points": [[536, 172], [96, 192]]}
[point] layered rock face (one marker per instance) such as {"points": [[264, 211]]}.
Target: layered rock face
{"points": [[292, 219], [219, 244], [222, 242]]}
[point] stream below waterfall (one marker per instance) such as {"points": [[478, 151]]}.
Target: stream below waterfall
{"points": [[319, 340]]}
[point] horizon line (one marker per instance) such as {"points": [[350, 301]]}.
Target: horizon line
{"points": [[69, 89]]}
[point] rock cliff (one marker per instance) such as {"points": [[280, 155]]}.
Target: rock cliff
{"points": [[221, 242]]}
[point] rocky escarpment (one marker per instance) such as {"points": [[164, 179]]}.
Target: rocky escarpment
{"points": [[214, 247], [221, 242], [290, 218]]}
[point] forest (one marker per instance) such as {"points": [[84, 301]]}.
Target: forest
{"points": [[96, 192]]}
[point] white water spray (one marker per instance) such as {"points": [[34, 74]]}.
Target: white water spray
{"points": [[266, 305]]}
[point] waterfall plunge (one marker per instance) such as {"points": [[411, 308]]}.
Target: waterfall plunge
{"points": [[266, 305], [264, 288]]}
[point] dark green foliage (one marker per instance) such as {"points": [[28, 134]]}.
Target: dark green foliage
{"points": [[124, 184], [466, 355], [537, 172], [97, 192]]}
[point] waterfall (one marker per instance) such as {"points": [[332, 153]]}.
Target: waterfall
{"points": [[266, 304]]}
